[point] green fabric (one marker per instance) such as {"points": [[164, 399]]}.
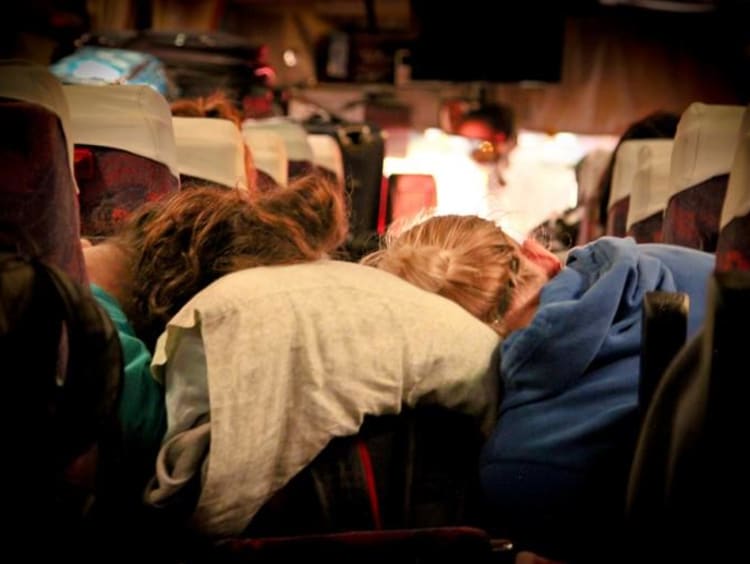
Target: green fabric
{"points": [[142, 410]]}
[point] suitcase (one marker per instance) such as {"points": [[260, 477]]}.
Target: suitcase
{"points": [[363, 149], [196, 63]]}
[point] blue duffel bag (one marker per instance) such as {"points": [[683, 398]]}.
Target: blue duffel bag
{"points": [[104, 65]]}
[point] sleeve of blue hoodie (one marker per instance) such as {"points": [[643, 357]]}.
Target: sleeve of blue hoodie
{"points": [[557, 458], [142, 411]]}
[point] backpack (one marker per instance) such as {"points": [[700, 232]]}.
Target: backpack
{"points": [[62, 365]]}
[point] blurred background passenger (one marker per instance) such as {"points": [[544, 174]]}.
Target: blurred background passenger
{"points": [[494, 126]]}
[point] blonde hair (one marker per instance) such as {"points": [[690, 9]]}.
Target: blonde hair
{"points": [[464, 258]]}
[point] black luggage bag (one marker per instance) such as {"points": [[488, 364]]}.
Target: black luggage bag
{"points": [[363, 150]]}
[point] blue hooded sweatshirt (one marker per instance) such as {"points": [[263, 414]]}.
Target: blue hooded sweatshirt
{"points": [[554, 470]]}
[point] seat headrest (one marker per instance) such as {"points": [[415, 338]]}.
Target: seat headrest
{"points": [[269, 153], [589, 172], [737, 199], [128, 117], [293, 134], [625, 169], [705, 142], [29, 82], [650, 190], [327, 153], [211, 149]]}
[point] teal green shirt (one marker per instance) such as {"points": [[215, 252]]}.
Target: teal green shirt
{"points": [[142, 410]]}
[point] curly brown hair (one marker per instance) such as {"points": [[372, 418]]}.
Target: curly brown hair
{"points": [[180, 245], [215, 105]]}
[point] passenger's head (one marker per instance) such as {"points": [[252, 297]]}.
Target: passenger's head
{"points": [[493, 123], [471, 261], [182, 244], [215, 105]]}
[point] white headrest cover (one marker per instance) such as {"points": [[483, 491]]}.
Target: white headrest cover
{"points": [[737, 200], [23, 80], [704, 145], [624, 171], [294, 135], [650, 190], [590, 172], [327, 153], [211, 149], [269, 153], [129, 117]]}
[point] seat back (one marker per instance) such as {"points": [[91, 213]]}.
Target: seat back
{"points": [[648, 196], [327, 155], [415, 469], [704, 147], [625, 169], [38, 197], [733, 247], [689, 474], [298, 150], [589, 173], [403, 489], [65, 452], [270, 157], [126, 153], [210, 150]]}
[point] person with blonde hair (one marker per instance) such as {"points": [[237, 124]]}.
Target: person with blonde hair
{"points": [[471, 261], [554, 470]]}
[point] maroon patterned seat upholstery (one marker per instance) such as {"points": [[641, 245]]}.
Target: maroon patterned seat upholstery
{"points": [[648, 230], [704, 146], [113, 183], [691, 218], [617, 217]]}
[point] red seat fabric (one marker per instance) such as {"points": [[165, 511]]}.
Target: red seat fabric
{"points": [[38, 197]]}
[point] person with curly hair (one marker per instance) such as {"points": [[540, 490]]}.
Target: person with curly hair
{"points": [[555, 467], [169, 250], [181, 245]]}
